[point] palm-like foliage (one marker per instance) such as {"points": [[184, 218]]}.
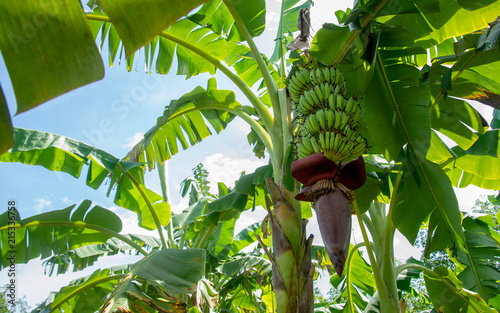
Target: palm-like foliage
{"points": [[383, 49]]}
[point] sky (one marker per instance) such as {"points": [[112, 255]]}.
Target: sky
{"points": [[113, 114]]}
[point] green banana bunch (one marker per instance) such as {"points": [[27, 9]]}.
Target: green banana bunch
{"points": [[328, 118]]}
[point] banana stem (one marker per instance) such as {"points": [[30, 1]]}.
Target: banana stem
{"points": [[272, 89], [348, 279], [378, 279]]}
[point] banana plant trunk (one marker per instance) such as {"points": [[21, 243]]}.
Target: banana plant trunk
{"points": [[292, 269]]}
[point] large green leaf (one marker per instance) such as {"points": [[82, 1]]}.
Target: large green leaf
{"points": [[59, 153], [449, 20], [328, 42], [238, 266], [48, 49], [216, 16], [55, 232], [448, 295], [253, 16], [428, 194], [477, 271], [182, 40], [187, 115], [85, 256], [55, 152], [177, 271], [380, 119], [138, 24], [245, 238], [451, 118], [478, 165], [6, 130], [86, 294]]}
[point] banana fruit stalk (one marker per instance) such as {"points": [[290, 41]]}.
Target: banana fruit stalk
{"points": [[329, 149], [328, 119]]}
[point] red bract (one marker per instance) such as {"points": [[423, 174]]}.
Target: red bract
{"points": [[333, 212], [321, 178], [315, 167]]}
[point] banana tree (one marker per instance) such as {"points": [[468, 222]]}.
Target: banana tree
{"points": [[408, 66], [199, 260]]}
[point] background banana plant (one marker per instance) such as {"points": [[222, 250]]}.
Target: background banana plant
{"points": [[414, 64]]}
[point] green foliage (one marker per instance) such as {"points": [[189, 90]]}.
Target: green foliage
{"points": [[56, 232], [21, 306], [187, 115], [61, 31], [381, 47]]}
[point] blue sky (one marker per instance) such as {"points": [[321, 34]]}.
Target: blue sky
{"points": [[112, 114]]}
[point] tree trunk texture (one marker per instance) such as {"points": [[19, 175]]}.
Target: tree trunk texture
{"points": [[292, 269]]}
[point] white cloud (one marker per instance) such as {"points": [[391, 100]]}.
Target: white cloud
{"points": [[272, 20], [132, 141], [228, 169], [67, 201], [41, 205]]}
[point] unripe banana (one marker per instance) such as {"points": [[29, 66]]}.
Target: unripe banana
{"points": [[310, 99], [358, 150], [319, 76], [298, 76], [313, 78], [336, 143], [320, 116], [328, 121], [331, 101], [307, 144], [338, 119], [315, 145], [349, 107], [332, 141], [304, 106], [326, 91], [348, 132], [344, 149], [313, 123], [333, 75], [327, 141], [336, 91], [322, 141], [355, 117], [305, 76], [330, 118], [302, 151], [314, 96], [344, 120], [319, 94], [293, 90], [340, 104], [326, 74], [295, 83]]}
